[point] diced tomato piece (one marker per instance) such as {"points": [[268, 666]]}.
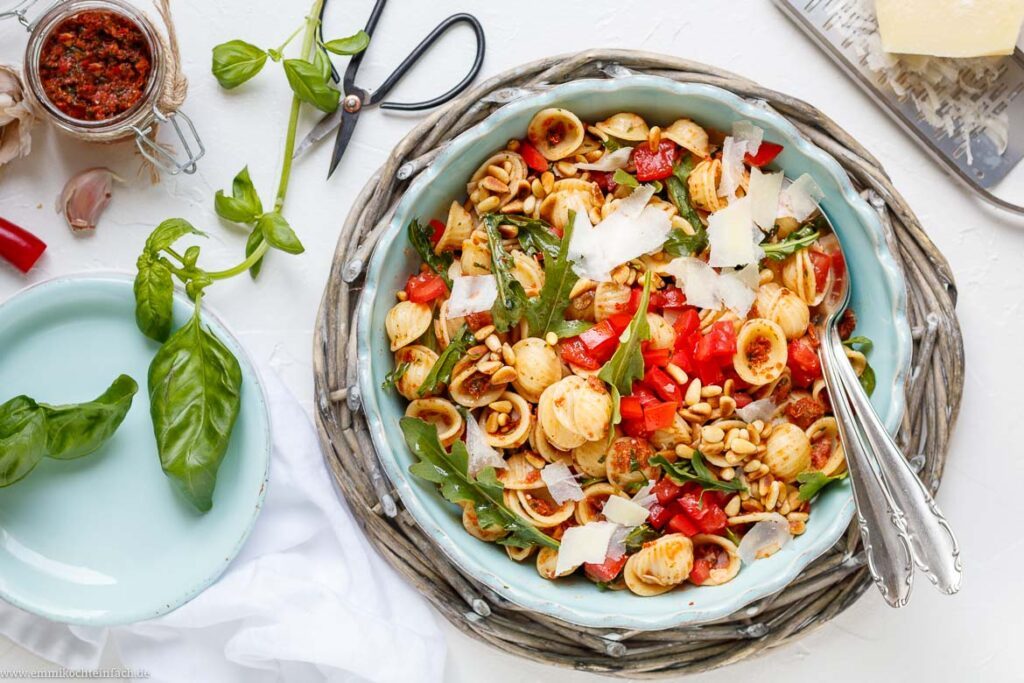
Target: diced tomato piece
{"points": [[658, 381], [666, 490], [660, 416], [718, 344], [704, 510], [635, 295], [532, 157], [766, 154], [742, 400], [803, 362], [574, 351], [701, 571], [438, 230], [635, 428], [604, 180], [710, 373], [822, 264], [659, 515], [656, 358], [646, 397], [681, 524], [425, 287], [477, 320], [656, 165], [606, 571], [630, 408], [601, 341], [685, 325], [620, 321], [672, 298]]}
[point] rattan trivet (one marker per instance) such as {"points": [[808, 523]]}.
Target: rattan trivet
{"points": [[827, 587]]}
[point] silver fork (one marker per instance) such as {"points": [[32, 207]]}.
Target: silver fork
{"points": [[900, 523]]}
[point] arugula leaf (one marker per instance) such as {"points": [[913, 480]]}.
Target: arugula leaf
{"points": [[860, 343], [867, 379], [394, 376], [442, 370], [812, 482], [801, 239], [484, 493], [621, 177], [571, 328], [420, 241], [680, 243], [732, 536], [536, 236], [636, 538], [546, 311], [695, 470], [511, 301], [627, 363], [864, 345]]}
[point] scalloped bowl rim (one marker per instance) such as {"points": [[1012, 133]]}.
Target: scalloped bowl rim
{"points": [[591, 614]]}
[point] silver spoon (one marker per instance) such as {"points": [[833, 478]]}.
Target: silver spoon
{"points": [[899, 520]]}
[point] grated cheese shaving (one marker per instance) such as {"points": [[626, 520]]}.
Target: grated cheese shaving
{"points": [[610, 162], [732, 167], [749, 134], [733, 237], [764, 197], [584, 544], [481, 454], [561, 483], [801, 198], [762, 409], [624, 511], [472, 294]]}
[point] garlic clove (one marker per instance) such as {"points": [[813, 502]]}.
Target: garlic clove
{"points": [[85, 196]]}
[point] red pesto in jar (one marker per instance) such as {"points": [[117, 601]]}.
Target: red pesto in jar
{"points": [[95, 65]]}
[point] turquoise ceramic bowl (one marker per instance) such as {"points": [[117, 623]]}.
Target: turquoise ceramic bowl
{"points": [[879, 297], [107, 539]]}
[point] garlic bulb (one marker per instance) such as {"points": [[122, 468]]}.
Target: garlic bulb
{"points": [[16, 118]]}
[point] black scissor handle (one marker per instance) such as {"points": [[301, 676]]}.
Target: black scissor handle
{"points": [[421, 49]]}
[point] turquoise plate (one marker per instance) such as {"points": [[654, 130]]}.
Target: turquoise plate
{"points": [[107, 539], [879, 297]]}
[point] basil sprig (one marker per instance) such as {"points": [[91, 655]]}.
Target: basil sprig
{"points": [[236, 61], [450, 471], [695, 470], [31, 431]]}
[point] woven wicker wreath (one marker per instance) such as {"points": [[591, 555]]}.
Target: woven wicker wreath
{"points": [[825, 588]]}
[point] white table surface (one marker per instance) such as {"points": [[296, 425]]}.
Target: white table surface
{"points": [[975, 635]]}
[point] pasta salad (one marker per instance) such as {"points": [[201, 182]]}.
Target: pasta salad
{"points": [[609, 354]]}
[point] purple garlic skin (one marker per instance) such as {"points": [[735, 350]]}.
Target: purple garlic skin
{"points": [[16, 117], [85, 196]]}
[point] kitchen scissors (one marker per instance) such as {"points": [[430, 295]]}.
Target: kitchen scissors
{"points": [[356, 99]]}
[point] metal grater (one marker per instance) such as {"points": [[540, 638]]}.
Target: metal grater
{"points": [[818, 19]]}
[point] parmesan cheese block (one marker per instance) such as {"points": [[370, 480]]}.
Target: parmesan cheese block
{"points": [[950, 28]]}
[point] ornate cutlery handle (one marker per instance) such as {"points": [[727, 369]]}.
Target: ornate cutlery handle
{"points": [[886, 542], [933, 544]]}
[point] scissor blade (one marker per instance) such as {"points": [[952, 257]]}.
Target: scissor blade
{"points": [[321, 130], [348, 126]]}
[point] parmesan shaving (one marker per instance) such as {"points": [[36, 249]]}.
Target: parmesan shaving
{"points": [[800, 199], [733, 237], [617, 544], [632, 230], [765, 538], [749, 134], [481, 454], [609, 162], [584, 544], [732, 167], [764, 197], [762, 410], [623, 511], [705, 288], [561, 483], [644, 496], [472, 294], [736, 294]]}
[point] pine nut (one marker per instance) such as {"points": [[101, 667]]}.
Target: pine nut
{"points": [[537, 188], [732, 508], [743, 447], [504, 375], [684, 451], [582, 286], [492, 184], [507, 354], [693, 393], [488, 367], [513, 145], [484, 332], [401, 295], [702, 409], [712, 434], [509, 230], [499, 173], [501, 406], [797, 516], [488, 205], [547, 180], [566, 169], [551, 338], [492, 342], [727, 474], [502, 419], [654, 138], [529, 204], [752, 466], [711, 391], [676, 373], [491, 423], [773, 496], [476, 352]]}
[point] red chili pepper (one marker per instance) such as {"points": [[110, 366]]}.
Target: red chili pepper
{"points": [[630, 408], [766, 154], [658, 381], [660, 416], [681, 524], [666, 490], [19, 246], [532, 157], [656, 165], [574, 351], [701, 571], [606, 571], [601, 341], [439, 229], [425, 287]]}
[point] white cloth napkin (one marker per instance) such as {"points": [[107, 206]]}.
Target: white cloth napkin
{"points": [[307, 599]]}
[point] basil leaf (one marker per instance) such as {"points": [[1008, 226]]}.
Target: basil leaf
{"points": [[22, 439], [860, 343], [353, 44], [169, 232], [323, 63], [484, 493], [696, 471], [236, 61], [511, 302], [309, 85], [627, 363], [867, 379], [441, 372], [251, 245], [546, 312], [801, 239], [278, 233], [195, 393], [154, 297], [420, 241], [636, 538], [74, 431], [244, 205], [812, 482]]}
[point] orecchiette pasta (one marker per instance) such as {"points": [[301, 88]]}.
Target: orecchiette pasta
{"points": [[550, 376]]}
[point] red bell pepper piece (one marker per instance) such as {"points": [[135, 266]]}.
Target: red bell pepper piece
{"points": [[685, 325], [607, 570], [672, 298], [660, 514], [630, 408], [681, 524], [425, 287], [656, 165], [717, 345], [601, 341], [742, 400], [439, 229], [766, 154], [655, 357], [803, 362], [646, 397], [701, 571], [666, 490], [532, 157], [658, 381], [574, 351], [620, 321], [660, 416], [20, 247], [704, 510], [635, 428]]}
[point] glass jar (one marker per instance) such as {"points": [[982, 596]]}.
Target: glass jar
{"points": [[140, 118]]}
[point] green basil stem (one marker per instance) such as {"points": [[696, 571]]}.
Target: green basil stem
{"points": [[290, 38]]}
